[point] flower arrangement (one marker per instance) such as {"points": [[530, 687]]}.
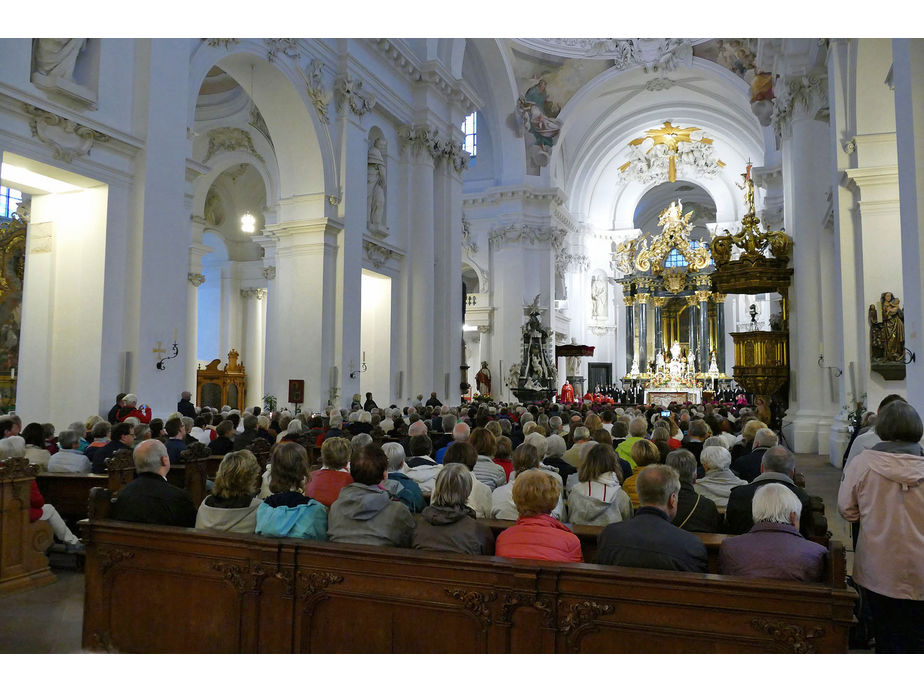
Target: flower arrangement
{"points": [[664, 378]]}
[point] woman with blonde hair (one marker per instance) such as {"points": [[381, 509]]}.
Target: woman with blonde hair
{"points": [[745, 442], [232, 505], [538, 535], [644, 452], [593, 423]]}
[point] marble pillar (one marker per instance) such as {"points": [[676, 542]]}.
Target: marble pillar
{"points": [[658, 302], [642, 302], [693, 330], [254, 340], [702, 357], [630, 331], [719, 331]]}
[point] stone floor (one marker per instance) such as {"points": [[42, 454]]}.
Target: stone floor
{"points": [[49, 619]]}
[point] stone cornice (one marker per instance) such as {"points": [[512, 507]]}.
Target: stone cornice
{"points": [[401, 57], [380, 254], [873, 175], [500, 195], [525, 234], [440, 147], [435, 74]]}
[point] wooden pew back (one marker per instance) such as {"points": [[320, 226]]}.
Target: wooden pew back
{"points": [[23, 563]]}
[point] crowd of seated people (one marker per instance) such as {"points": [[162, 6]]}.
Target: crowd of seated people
{"points": [[424, 476]]}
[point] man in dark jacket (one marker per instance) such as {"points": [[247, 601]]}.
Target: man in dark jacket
{"points": [[778, 466], [695, 513], [184, 406], [150, 498], [114, 412], [747, 466], [122, 437], [369, 404], [649, 540]]}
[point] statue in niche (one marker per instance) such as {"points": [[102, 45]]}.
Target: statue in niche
{"points": [[691, 361], [483, 379], [375, 186], [598, 296], [572, 365], [513, 376], [887, 338], [57, 57]]}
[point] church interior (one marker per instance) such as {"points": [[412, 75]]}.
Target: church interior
{"points": [[296, 222]]}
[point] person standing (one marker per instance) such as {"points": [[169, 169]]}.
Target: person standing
{"points": [[184, 406]]}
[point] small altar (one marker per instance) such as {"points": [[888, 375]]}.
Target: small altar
{"points": [[663, 396]]}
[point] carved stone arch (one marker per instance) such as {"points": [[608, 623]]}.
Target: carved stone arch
{"points": [[305, 153], [480, 273]]}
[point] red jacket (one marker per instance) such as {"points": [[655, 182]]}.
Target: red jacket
{"points": [[142, 413], [325, 485], [540, 537], [35, 502]]}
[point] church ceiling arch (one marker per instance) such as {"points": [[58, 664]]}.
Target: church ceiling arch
{"points": [[306, 159], [233, 160]]}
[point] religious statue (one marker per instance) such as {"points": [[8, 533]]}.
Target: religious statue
{"points": [[691, 361], [747, 185], [513, 376], [483, 379], [752, 311], [57, 57], [375, 186], [598, 291], [887, 338]]}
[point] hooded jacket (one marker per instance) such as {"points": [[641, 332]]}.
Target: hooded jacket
{"points": [[442, 528], [292, 514], [885, 492], [365, 514], [228, 514], [598, 502], [539, 537]]}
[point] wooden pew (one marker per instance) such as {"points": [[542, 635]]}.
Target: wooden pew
{"points": [[23, 563], [223, 592]]}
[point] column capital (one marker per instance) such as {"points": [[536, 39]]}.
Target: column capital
{"points": [[254, 292], [196, 279], [641, 298], [691, 300], [628, 300], [798, 98], [703, 296], [718, 298], [659, 301]]}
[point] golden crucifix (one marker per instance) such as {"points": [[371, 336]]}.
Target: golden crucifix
{"points": [[668, 135], [159, 350]]}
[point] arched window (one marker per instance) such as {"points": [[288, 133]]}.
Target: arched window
{"points": [[9, 201], [470, 129]]}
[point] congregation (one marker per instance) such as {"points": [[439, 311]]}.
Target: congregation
{"points": [[423, 477]]}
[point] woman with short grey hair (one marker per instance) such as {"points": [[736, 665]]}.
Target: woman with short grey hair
{"points": [[448, 524], [719, 480]]}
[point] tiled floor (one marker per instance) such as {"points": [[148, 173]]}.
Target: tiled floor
{"points": [[49, 619]]}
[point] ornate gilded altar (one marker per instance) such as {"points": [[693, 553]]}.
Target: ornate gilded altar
{"points": [[216, 387], [12, 266], [682, 279]]}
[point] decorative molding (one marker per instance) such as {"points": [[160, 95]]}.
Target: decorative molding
{"points": [[601, 330], [653, 54], [225, 43], [17, 468], [109, 558], [425, 139], [801, 96], [484, 329], [659, 84], [795, 639], [348, 91], [850, 146], [269, 272], [281, 46], [311, 583], [467, 243], [525, 234], [401, 59], [578, 616], [565, 261], [476, 603], [514, 600], [230, 139], [255, 292], [661, 154], [319, 96], [378, 255], [257, 123], [67, 138], [238, 576], [514, 194], [196, 279]]}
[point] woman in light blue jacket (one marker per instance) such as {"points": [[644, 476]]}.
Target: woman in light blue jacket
{"points": [[288, 512]]}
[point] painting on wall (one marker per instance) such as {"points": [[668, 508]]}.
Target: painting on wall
{"points": [[738, 55]]}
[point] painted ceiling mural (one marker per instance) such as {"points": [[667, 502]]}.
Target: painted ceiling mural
{"points": [[549, 72]]}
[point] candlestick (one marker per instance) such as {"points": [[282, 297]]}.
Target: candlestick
{"points": [[174, 335]]}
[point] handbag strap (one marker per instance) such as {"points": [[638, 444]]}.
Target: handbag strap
{"points": [[692, 510]]}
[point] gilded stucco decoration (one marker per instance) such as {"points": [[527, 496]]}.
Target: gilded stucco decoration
{"points": [[675, 234], [661, 153]]}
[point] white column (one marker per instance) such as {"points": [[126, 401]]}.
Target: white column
{"points": [[806, 182], [195, 279], [908, 79], [420, 269], [254, 339]]}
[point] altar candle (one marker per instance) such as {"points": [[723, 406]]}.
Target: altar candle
{"points": [[174, 335], [853, 382]]}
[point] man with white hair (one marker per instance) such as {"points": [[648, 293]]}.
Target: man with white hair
{"points": [[130, 408], [582, 445], [773, 547], [69, 459], [460, 434], [185, 406], [398, 483], [747, 466], [150, 498], [719, 480]]}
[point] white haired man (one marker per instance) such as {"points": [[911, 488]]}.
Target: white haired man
{"points": [[773, 547], [150, 498], [460, 434]]}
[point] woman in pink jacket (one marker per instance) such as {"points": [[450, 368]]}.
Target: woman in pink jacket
{"points": [[537, 534], [883, 488]]}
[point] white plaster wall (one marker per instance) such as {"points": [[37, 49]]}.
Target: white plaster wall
{"points": [[376, 338]]}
